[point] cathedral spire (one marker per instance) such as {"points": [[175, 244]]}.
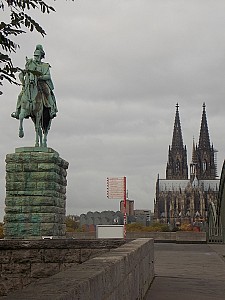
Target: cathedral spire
{"points": [[177, 156], [194, 154], [204, 141], [194, 162], [177, 141], [205, 167]]}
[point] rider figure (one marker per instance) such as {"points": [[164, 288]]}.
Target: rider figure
{"points": [[35, 67]]}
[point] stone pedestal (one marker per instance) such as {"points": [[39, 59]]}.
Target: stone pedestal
{"points": [[35, 194]]}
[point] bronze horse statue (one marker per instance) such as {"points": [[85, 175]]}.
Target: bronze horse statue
{"points": [[36, 99]]}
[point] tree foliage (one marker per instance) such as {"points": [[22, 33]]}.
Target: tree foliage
{"points": [[72, 223], [1, 231], [137, 227], [19, 22]]}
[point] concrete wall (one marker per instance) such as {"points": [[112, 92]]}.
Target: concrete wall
{"points": [[23, 262], [123, 273]]}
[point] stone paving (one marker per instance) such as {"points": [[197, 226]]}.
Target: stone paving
{"points": [[188, 271]]}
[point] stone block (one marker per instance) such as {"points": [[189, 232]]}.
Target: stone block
{"points": [[34, 201], [62, 255], [30, 167], [13, 209], [50, 229], [35, 149], [6, 286], [86, 254], [45, 193], [42, 270], [27, 256], [52, 167], [42, 209], [10, 229], [23, 230], [14, 269], [33, 218], [44, 157], [5, 256], [14, 167], [20, 186], [45, 176], [48, 186]]}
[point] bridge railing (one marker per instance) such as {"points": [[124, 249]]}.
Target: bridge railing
{"points": [[216, 235]]}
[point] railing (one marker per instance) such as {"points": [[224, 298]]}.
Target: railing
{"points": [[216, 235]]}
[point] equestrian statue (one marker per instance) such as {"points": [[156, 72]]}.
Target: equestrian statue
{"points": [[36, 100]]}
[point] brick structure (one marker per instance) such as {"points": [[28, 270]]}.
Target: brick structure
{"points": [[35, 194], [24, 262]]}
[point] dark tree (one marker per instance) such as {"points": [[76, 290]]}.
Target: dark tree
{"points": [[19, 22]]}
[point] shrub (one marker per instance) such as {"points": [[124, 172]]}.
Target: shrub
{"points": [[1, 231], [135, 227], [186, 227], [153, 228]]}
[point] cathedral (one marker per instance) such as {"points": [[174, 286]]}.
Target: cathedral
{"points": [[182, 199]]}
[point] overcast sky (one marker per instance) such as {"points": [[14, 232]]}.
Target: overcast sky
{"points": [[119, 67]]}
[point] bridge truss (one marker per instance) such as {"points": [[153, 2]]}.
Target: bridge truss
{"points": [[216, 215]]}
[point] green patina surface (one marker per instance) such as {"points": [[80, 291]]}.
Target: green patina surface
{"points": [[35, 149], [30, 201], [35, 193]]}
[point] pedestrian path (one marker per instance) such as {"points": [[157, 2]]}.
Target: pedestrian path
{"points": [[188, 271]]}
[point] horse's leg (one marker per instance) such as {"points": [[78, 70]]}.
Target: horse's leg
{"points": [[46, 134], [45, 139], [40, 136], [36, 137], [37, 129], [21, 117]]}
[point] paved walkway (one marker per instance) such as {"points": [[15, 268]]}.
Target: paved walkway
{"points": [[188, 271]]}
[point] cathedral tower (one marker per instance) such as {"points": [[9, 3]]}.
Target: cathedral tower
{"points": [[205, 163], [177, 157], [194, 162]]}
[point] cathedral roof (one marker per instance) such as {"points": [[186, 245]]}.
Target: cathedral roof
{"points": [[172, 185], [166, 185], [212, 184]]}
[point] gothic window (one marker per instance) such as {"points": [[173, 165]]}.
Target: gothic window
{"points": [[177, 166], [204, 166]]}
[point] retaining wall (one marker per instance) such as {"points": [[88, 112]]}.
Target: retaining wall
{"points": [[175, 237], [23, 262], [123, 273]]}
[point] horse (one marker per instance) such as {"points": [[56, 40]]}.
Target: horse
{"points": [[33, 103]]}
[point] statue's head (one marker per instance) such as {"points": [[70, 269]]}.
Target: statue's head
{"points": [[39, 51], [37, 56]]}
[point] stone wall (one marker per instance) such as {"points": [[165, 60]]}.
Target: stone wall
{"points": [[175, 237], [23, 262], [123, 273], [35, 193]]}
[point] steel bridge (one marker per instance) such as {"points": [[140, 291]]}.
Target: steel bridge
{"points": [[216, 215]]}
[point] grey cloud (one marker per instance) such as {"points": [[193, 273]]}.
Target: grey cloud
{"points": [[119, 67]]}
